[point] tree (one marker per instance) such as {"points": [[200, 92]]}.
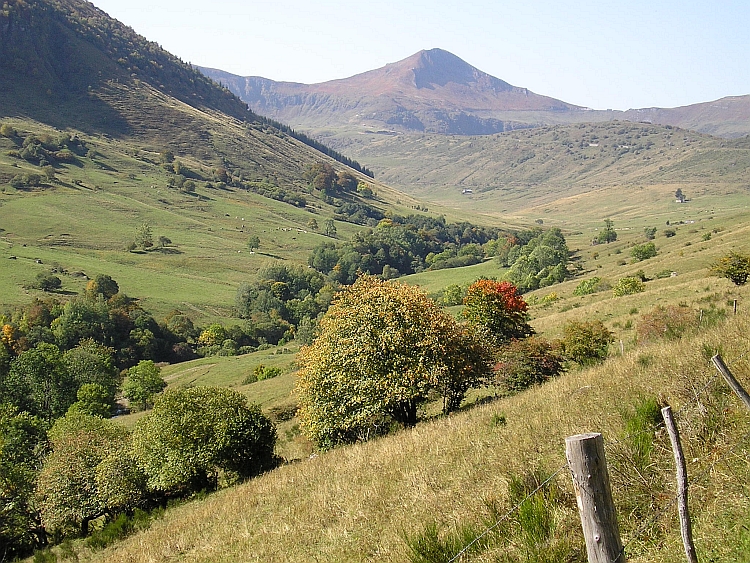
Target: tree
{"points": [[650, 233], [164, 241], [312, 224], [7, 130], [628, 286], [39, 382], [253, 242], [104, 285], [142, 383], [644, 251], [93, 400], [47, 281], [66, 488], [382, 348], [527, 362], [586, 342], [194, 435], [679, 196], [608, 234], [497, 309], [734, 266], [330, 228], [143, 236], [22, 446]]}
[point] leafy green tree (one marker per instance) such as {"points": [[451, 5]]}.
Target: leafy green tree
{"points": [[541, 262], [734, 266], [498, 310], [93, 400], [47, 281], [66, 488], [104, 285], [39, 382], [195, 435], [608, 234], [650, 233], [586, 342], [527, 362], [330, 228], [144, 238], [312, 224], [93, 363], [82, 319], [642, 252], [253, 242], [213, 335], [382, 348], [142, 382], [22, 445], [587, 287]]}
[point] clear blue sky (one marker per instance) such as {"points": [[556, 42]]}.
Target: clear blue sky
{"points": [[601, 54]]}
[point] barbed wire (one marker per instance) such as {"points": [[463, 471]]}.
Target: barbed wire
{"points": [[648, 523], [507, 514]]}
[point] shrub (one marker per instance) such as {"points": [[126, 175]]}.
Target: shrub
{"points": [[628, 286], [527, 362], [586, 342], [669, 233], [642, 252], [586, 287], [734, 266], [665, 322]]}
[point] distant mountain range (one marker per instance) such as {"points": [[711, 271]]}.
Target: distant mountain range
{"points": [[435, 91]]}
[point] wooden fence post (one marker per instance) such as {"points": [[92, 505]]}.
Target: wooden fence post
{"points": [[730, 379], [682, 486], [588, 466]]}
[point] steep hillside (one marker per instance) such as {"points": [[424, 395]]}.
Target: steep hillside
{"points": [[103, 131], [431, 91]]}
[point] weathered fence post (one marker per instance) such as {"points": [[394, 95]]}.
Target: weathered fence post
{"points": [[730, 379], [682, 486], [588, 467]]}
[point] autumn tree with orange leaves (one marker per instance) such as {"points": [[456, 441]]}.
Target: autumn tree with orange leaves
{"points": [[498, 310]]}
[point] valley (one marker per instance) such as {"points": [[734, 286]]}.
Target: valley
{"points": [[228, 233]]}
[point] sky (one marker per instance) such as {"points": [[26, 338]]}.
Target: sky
{"points": [[600, 54]]}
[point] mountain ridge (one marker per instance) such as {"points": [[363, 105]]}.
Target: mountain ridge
{"points": [[434, 91]]}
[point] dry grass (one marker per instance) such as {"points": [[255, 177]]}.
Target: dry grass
{"points": [[357, 503]]}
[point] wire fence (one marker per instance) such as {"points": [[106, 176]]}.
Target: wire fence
{"points": [[697, 395]]}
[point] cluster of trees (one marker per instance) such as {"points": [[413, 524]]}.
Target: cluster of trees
{"points": [[104, 315], [56, 477], [537, 258], [385, 348], [397, 246], [44, 149]]}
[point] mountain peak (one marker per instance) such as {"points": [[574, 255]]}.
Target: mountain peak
{"points": [[437, 67]]}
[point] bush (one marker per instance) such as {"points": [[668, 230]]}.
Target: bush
{"points": [[666, 322], [642, 252], [587, 287], [527, 362], [628, 286], [734, 266], [586, 342]]}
